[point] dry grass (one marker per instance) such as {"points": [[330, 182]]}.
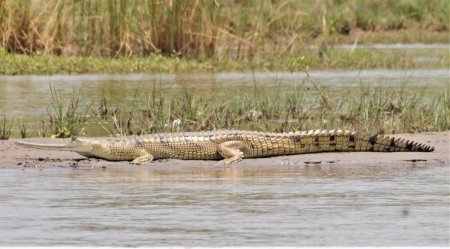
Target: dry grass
{"points": [[203, 28]]}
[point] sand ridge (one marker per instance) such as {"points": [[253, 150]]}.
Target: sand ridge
{"points": [[13, 156]]}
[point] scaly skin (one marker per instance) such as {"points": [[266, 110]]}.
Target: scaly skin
{"points": [[229, 145]]}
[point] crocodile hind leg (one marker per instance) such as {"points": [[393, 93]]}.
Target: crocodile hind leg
{"points": [[231, 151], [143, 157]]}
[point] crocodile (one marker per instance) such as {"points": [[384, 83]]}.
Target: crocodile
{"points": [[229, 145]]}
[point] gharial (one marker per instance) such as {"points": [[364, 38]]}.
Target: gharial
{"points": [[229, 145]]}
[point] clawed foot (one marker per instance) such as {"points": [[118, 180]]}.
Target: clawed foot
{"points": [[234, 159], [142, 159]]}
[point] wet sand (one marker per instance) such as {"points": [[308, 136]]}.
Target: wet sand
{"points": [[13, 156]]}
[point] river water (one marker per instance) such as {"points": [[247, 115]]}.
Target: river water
{"points": [[380, 205]]}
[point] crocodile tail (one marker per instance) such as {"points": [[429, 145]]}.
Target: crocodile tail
{"points": [[339, 140], [383, 143]]}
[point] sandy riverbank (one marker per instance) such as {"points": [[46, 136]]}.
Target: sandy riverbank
{"points": [[12, 155]]}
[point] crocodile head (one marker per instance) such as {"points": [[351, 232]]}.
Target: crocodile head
{"points": [[82, 146]]}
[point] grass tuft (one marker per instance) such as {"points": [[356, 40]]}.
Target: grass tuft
{"points": [[66, 117], [5, 128]]}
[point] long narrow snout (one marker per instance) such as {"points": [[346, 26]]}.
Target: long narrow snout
{"points": [[68, 147]]}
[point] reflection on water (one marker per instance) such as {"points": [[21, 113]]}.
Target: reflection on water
{"points": [[383, 205]]}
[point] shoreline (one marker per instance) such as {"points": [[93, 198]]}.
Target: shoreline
{"points": [[13, 156], [337, 59]]}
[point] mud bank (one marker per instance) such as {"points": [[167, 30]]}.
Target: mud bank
{"points": [[13, 156]]}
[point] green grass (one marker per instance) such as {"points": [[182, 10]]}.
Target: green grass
{"points": [[307, 106], [367, 109], [309, 58], [5, 128], [66, 116]]}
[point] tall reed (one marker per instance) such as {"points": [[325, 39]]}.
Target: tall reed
{"points": [[225, 29]]}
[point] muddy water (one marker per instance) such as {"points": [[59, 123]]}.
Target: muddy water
{"points": [[382, 205]]}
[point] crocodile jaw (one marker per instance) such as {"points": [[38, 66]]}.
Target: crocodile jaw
{"points": [[74, 146]]}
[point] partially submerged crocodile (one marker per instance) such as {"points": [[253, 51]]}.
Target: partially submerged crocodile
{"points": [[229, 145]]}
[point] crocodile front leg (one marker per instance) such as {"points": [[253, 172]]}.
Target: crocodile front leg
{"points": [[231, 151], [144, 157]]}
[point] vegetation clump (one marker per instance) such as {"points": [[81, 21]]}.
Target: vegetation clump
{"points": [[5, 128], [304, 107], [65, 117], [179, 35]]}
